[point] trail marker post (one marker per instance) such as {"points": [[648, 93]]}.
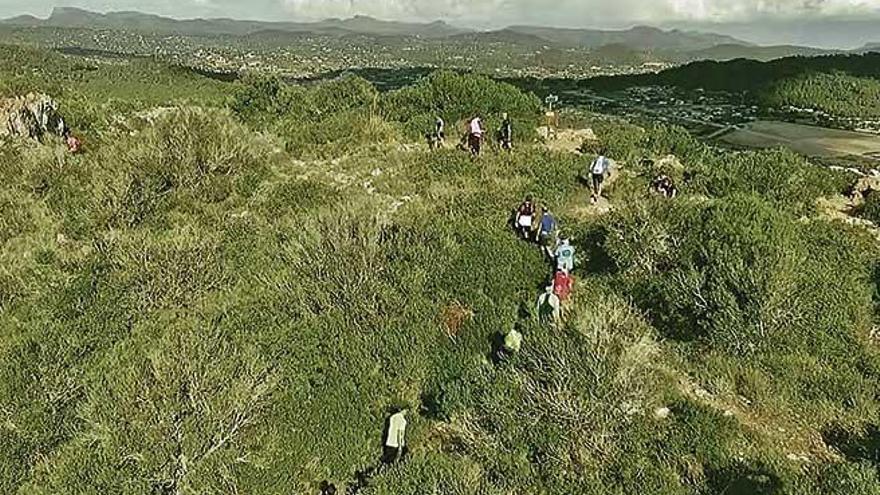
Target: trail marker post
{"points": [[552, 118]]}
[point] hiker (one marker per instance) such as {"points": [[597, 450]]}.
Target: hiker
{"points": [[437, 138], [563, 283], [475, 135], [546, 232], [600, 166], [510, 345], [395, 443], [327, 488], [524, 216], [74, 145], [548, 308], [505, 134], [663, 184], [565, 255]]}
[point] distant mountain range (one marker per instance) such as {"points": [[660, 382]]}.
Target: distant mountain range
{"points": [[636, 45], [69, 17], [638, 38], [823, 32]]}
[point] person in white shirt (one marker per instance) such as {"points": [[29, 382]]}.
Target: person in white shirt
{"points": [[395, 442], [600, 166], [475, 135]]}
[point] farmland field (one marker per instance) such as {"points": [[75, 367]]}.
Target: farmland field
{"points": [[809, 140]]}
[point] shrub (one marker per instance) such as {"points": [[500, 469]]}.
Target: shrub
{"points": [[456, 97], [736, 271], [870, 210], [188, 154]]}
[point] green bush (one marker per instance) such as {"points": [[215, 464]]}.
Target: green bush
{"points": [[870, 210], [457, 97], [188, 155]]}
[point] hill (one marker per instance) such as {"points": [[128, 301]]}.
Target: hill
{"points": [[746, 75], [381, 43], [724, 52], [70, 17], [234, 285], [508, 36], [839, 90], [870, 47], [637, 38], [824, 31]]}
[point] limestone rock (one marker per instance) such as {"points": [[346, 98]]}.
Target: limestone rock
{"points": [[31, 116], [662, 413]]}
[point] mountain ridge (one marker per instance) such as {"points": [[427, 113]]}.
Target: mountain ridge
{"points": [[638, 37]]}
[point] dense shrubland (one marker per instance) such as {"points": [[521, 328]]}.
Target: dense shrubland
{"points": [[189, 307], [346, 114], [834, 93], [840, 85]]}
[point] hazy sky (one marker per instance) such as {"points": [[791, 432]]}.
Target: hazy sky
{"points": [[575, 13]]}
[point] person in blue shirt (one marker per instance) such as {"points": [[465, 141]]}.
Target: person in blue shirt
{"points": [[546, 232]]}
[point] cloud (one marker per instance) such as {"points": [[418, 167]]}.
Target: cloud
{"points": [[577, 12]]}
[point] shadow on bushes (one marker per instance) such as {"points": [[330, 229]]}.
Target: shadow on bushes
{"points": [[856, 446], [740, 479]]}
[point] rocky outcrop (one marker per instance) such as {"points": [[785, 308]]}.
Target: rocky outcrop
{"points": [[864, 186], [32, 116]]}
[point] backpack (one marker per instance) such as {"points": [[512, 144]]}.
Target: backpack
{"points": [[599, 166]]}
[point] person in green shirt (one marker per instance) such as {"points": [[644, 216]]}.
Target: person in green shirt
{"points": [[513, 341]]}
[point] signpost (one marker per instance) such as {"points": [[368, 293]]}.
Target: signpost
{"points": [[552, 118]]}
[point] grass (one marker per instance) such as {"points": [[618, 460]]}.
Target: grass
{"points": [[202, 307]]}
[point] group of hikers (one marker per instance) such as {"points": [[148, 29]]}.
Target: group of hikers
{"points": [[543, 230], [472, 139], [534, 225]]}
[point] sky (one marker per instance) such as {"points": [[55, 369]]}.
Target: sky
{"points": [[488, 13], [765, 21]]}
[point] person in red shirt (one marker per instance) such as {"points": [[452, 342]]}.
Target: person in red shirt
{"points": [[73, 144], [563, 283]]}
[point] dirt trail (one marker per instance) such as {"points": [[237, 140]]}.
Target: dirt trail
{"points": [[582, 207], [788, 434]]}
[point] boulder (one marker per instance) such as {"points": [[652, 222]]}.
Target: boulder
{"points": [[662, 413], [863, 187], [31, 116]]}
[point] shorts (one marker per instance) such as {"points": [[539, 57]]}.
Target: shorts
{"points": [[598, 179], [390, 455], [475, 142], [525, 221], [545, 239]]}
